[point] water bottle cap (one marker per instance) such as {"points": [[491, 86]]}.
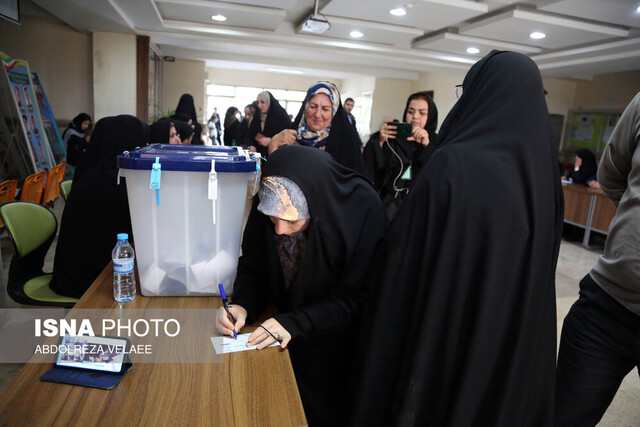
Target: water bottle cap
{"points": [[123, 236]]}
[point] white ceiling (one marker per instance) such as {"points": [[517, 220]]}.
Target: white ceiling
{"points": [[584, 37]]}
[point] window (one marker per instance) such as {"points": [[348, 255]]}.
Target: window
{"points": [[222, 97]]}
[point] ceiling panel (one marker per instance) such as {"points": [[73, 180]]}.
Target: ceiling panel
{"points": [[373, 32], [424, 14], [516, 25], [242, 16], [618, 12], [446, 41]]}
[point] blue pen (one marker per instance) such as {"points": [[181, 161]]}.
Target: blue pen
{"points": [[225, 303]]}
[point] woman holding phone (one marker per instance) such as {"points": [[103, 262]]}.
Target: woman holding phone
{"points": [[392, 155]]}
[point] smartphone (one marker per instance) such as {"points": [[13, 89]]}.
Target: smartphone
{"points": [[107, 354], [402, 128]]}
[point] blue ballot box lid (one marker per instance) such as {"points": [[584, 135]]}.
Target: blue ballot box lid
{"points": [[193, 158]]}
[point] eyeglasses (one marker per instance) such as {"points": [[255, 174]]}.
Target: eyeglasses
{"points": [[459, 90]]}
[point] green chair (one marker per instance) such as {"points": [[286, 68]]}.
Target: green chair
{"points": [[65, 188], [31, 228]]}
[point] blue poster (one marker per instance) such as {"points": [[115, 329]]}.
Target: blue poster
{"points": [[48, 121], [18, 74]]}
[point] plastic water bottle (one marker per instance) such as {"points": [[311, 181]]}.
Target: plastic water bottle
{"points": [[124, 275]]}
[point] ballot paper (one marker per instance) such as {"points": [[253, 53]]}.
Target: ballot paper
{"points": [[231, 345]]}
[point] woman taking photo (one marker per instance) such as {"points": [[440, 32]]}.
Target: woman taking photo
{"points": [[392, 162]]}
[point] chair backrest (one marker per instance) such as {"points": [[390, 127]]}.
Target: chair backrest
{"points": [[29, 225], [8, 190], [33, 187], [65, 188], [52, 189], [7, 193]]}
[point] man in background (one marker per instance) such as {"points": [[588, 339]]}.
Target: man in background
{"points": [[348, 107]]}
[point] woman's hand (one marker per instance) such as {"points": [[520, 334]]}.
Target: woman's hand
{"points": [[594, 184], [386, 132], [262, 339], [225, 325], [262, 140], [286, 137], [420, 136]]}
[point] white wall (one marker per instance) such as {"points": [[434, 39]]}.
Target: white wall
{"points": [[443, 87], [114, 74], [611, 90], [60, 55], [389, 99], [182, 77]]}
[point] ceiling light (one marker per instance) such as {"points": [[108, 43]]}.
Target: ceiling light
{"points": [[219, 18], [473, 50], [399, 11], [285, 71], [356, 34], [537, 35], [638, 9]]}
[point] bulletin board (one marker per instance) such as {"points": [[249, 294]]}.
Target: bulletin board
{"points": [[589, 129]]}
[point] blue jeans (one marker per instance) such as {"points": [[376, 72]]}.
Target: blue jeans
{"points": [[599, 346]]}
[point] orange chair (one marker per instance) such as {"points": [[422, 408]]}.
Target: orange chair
{"points": [[52, 188], [33, 187], [7, 193]]}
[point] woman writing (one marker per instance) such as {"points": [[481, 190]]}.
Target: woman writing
{"points": [[392, 162], [307, 247], [322, 123]]}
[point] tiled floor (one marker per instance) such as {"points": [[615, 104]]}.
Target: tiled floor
{"points": [[574, 262]]}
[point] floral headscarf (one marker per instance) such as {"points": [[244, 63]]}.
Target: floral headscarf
{"points": [[305, 135]]}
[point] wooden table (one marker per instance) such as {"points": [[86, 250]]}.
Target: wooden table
{"points": [[250, 388], [587, 208]]}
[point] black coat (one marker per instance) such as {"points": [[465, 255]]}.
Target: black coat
{"points": [[321, 308], [97, 208], [462, 327]]}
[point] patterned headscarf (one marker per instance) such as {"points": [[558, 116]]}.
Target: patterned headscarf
{"points": [[282, 198], [305, 135]]}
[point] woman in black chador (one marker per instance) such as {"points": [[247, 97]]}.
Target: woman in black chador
{"points": [[586, 167], [392, 162], [268, 120], [97, 208], [307, 247], [322, 123], [462, 327]]}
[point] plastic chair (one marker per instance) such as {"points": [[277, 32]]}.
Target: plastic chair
{"points": [[32, 228], [65, 188], [7, 193], [33, 187], [52, 188]]}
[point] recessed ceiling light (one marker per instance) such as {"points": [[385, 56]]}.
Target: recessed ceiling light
{"points": [[219, 18], [638, 9], [473, 50], [537, 35], [356, 34], [399, 11], [285, 71]]}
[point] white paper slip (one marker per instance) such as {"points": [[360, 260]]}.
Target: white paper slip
{"points": [[231, 345]]}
